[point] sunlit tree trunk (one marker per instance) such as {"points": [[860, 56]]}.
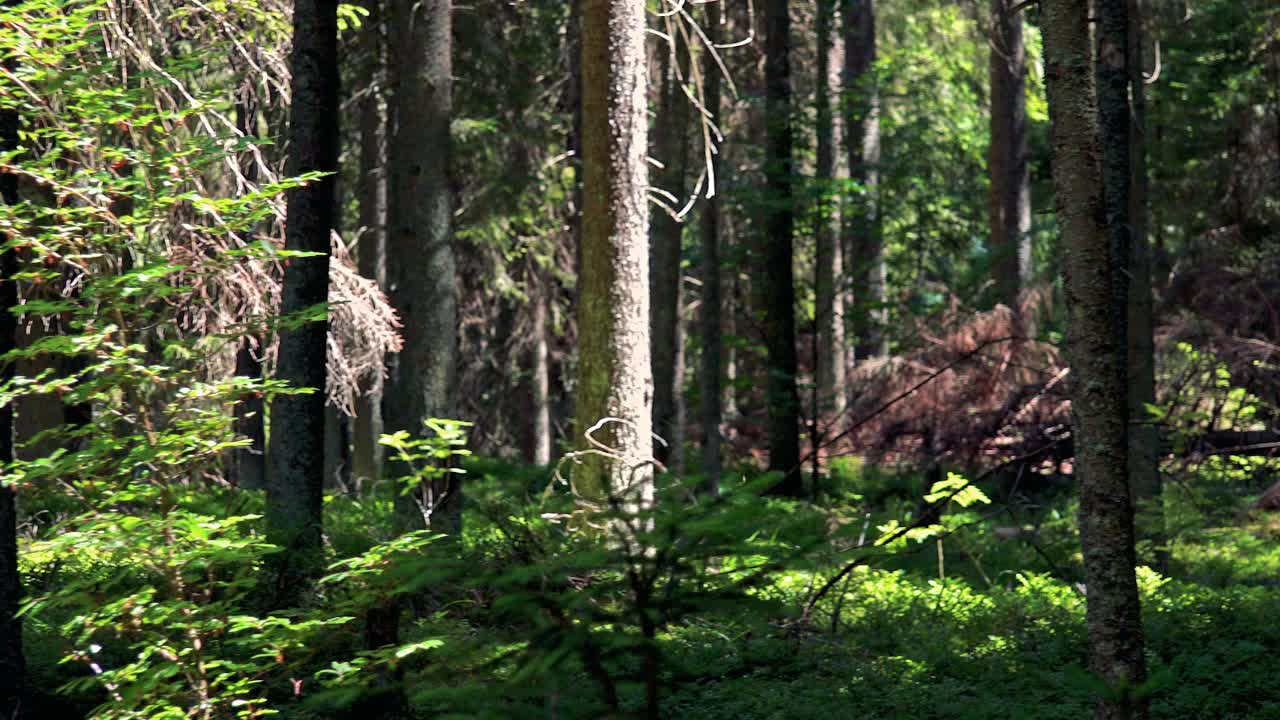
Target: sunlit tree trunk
{"points": [[864, 248], [778, 293], [421, 268], [12, 664], [615, 382], [1009, 245], [1096, 354], [828, 257], [371, 197], [665, 282], [539, 452], [296, 457]]}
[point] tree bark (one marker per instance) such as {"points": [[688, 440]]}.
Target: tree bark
{"points": [[1009, 245], [864, 248], [779, 292], [666, 289], [540, 379], [366, 452], [249, 463], [295, 482], [1095, 351], [614, 371], [1144, 435], [421, 267], [12, 662], [710, 371], [829, 311]]}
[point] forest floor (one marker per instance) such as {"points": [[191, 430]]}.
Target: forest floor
{"points": [[984, 626]]}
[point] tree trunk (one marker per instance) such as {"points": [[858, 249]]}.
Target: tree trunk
{"points": [[421, 267], [1098, 394], [666, 287], [1144, 435], [710, 384], [864, 249], [829, 311], [371, 197], [12, 663], [295, 482], [779, 286], [1009, 245], [540, 379], [249, 463], [614, 373], [337, 450]]}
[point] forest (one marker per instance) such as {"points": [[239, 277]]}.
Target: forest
{"points": [[689, 359]]}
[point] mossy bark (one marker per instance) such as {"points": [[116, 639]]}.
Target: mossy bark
{"points": [[1096, 355], [615, 382]]}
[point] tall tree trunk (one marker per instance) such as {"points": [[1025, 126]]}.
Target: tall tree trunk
{"points": [[366, 452], [828, 261], [296, 477], [421, 267], [1097, 389], [249, 463], [710, 383], [1009, 245], [665, 281], [864, 249], [614, 372], [539, 452], [575, 128], [12, 663], [779, 284], [1144, 434]]}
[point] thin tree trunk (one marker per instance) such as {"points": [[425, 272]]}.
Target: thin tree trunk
{"points": [[864, 250], [1009, 245], [12, 663], [337, 450], [829, 312], [1144, 434], [575, 128], [666, 288], [710, 382], [540, 379], [367, 453], [1098, 394], [296, 477], [249, 463], [614, 371], [779, 284], [421, 267]]}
